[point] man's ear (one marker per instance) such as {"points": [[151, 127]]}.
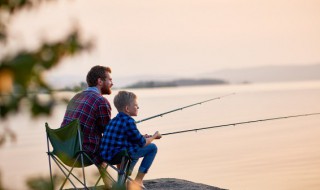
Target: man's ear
{"points": [[99, 81]]}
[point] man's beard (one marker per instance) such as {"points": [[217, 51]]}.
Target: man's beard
{"points": [[106, 90]]}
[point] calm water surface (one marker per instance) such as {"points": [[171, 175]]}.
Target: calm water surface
{"points": [[278, 155]]}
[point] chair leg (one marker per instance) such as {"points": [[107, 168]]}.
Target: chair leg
{"points": [[60, 165], [83, 173], [123, 170], [66, 175], [49, 158], [122, 173], [52, 182]]}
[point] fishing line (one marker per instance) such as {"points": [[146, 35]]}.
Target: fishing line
{"points": [[240, 123], [179, 109]]}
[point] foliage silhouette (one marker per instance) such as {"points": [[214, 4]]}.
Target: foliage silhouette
{"points": [[21, 73]]}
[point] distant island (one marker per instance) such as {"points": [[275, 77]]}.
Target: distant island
{"points": [[176, 83], [260, 74]]}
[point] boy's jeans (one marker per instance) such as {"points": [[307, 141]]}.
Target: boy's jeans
{"points": [[148, 153]]}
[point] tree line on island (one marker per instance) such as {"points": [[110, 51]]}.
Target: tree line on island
{"points": [[156, 84], [176, 83]]}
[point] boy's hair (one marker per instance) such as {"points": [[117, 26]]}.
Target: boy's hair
{"points": [[95, 73], [123, 99]]}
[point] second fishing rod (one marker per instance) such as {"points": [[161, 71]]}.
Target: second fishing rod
{"points": [[241, 123]]}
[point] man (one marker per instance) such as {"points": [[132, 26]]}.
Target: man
{"points": [[92, 110]]}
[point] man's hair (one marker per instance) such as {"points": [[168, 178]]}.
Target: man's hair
{"points": [[123, 99], [95, 73]]}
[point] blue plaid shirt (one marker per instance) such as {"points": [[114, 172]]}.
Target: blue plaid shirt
{"points": [[120, 134]]}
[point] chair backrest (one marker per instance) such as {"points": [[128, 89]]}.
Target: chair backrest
{"points": [[66, 142]]}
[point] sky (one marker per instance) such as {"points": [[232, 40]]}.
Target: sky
{"points": [[182, 38]]}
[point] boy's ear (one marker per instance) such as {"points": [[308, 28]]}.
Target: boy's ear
{"points": [[126, 108]]}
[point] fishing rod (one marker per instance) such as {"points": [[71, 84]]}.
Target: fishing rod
{"points": [[178, 109], [240, 123]]}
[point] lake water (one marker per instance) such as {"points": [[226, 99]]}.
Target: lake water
{"points": [[278, 155]]}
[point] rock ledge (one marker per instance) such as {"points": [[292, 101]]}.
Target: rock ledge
{"points": [[175, 184]]}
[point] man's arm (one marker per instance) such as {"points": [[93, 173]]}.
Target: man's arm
{"points": [[103, 115]]}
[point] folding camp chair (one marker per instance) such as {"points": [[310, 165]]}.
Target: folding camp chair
{"points": [[67, 153]]}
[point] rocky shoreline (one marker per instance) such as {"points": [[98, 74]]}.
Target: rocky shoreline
{"points": [[170, 184], [176, 184]]}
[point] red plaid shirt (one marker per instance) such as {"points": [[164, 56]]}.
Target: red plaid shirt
{"points": [[94, 113]]}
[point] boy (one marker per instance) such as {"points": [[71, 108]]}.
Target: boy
{"points": [[122, 134]]}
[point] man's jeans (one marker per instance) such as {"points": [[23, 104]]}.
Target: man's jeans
{"points": [[148, 153]]}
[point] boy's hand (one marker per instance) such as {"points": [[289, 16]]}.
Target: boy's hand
{"points": [[157, 135], [147, 136]]}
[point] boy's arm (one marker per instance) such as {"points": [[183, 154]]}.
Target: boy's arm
{"points": [[149, 139], [133, 134]]}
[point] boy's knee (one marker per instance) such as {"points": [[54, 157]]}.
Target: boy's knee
{"points": [[153, 147]]}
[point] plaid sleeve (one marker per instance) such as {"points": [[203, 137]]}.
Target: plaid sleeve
{"points": [[133, 134], [104, 113]]}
